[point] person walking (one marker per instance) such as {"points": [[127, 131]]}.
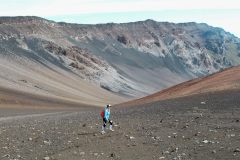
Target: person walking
{"points": [[105, 114]]}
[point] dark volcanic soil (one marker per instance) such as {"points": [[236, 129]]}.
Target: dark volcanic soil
{"points": [[198, 127]]}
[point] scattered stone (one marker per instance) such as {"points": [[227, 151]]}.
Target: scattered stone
{"points": [[210, 130], [6, 155], [161, 157], [236, 150], [185, 126], [46, 158], [82, 153], [158, 138], [84, 125], [232, 135], [174, 149], [112, 155], [197, 117], [95, 154], [197, 134], [166, 152], [214, 151], [30, 139], [205, 141], [131, 137], [203, 102], [47, 142], [197, 141]]}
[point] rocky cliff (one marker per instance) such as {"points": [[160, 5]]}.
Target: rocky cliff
{"points": [[133, 59]]}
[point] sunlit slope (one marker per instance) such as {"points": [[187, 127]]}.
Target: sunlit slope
{"points": [[228, 79], [21, 77]]}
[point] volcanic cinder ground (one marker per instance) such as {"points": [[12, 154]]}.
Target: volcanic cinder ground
{"points": [[204, 126], [194, 126]]}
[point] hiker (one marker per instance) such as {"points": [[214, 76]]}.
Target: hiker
{"points": [[106, 118]]}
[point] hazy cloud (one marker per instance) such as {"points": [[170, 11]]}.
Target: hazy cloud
{"points": [[63, 7]]}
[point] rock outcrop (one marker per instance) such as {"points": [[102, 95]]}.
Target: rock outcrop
{"points": [[133, 59]]}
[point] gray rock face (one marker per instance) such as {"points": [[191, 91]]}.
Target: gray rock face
{"points": [[133, 59]]}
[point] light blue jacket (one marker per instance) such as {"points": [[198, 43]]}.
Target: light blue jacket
{"points": [[106, 113]]}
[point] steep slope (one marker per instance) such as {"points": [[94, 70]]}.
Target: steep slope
{"points": [[228, 79], [157, 55], [29, 81], [132, 59]]}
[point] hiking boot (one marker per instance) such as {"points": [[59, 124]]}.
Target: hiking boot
{"points": [[110, 128]]}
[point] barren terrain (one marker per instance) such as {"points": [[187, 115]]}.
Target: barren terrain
{"points": [[204, 126], [26, 83], [131, 59], [56, 77], [228, 79]]}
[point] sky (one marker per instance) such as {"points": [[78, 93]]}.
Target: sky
{"points": [[218, 13]]}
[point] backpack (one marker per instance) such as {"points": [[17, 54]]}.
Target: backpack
{"points": [[102, 113]]}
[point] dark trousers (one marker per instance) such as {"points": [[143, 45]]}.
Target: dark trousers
{"points": [[106, 121]]}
